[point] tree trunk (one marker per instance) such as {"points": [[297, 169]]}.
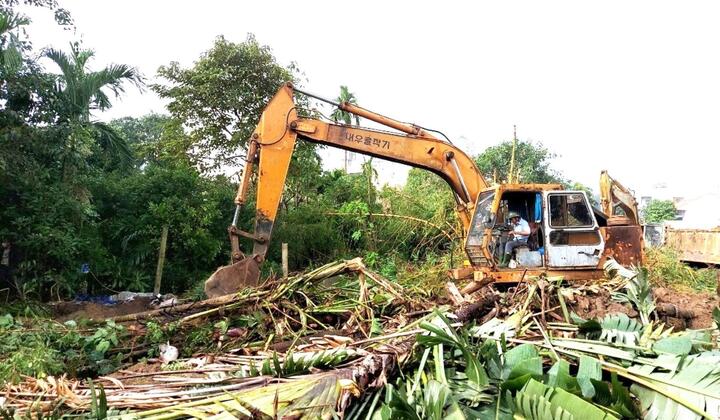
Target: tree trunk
{"points": [[161, 259]]}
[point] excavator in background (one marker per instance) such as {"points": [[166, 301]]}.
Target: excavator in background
{"points": [[569, 237]]}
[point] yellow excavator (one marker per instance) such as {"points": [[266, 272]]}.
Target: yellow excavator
{"points": [[568, 237]]}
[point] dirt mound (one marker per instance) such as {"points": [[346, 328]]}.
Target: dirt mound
{"points": [[88, 310], [597, 305], [700, 304], [672, 304]]}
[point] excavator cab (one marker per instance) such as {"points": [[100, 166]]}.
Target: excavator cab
{"points": [[568, 236]]}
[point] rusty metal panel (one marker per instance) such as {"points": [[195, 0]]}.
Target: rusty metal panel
{"points": [[529, 187], [624, 244], [695, 245], [508, 275]]}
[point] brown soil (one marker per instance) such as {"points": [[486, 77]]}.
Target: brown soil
{"points": [[86, 310], [598, 305], [701, 304], [137, 373]]}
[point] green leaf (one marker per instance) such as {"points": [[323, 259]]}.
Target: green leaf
{"points": [[696, 383], [102, 346], [474, 369], [613, 328], [589, 370], [6, 321], [540, 402], [521, 355], [716, 316], [680, 345], [383, 413], [622, 402], [559, 377], [638, 292]]}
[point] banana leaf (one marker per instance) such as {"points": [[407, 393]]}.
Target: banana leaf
{"points": [[537, 401]]}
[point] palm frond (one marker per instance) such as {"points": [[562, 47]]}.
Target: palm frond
{"points": [[613, 328], [537, 401], [10, 44], [310, 396], [12, 21], [696, 382], [61, 59], [113, 143]]}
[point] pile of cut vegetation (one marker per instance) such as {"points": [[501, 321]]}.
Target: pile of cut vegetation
{"points": [[341, 341]]}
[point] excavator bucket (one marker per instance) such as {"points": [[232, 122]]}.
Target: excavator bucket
{"points": [[233, 278]]}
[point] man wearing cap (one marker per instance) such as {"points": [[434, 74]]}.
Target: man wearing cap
{"points": [[518, 236]]}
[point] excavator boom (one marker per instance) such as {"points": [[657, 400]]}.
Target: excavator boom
{"points": [[616, 199], [272, 145]]}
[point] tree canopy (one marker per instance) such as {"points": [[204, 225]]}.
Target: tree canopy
{"points": [[80, 192], [658, 211], [532, 162], [220, 98]]}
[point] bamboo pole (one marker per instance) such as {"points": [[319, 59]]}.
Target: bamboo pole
{"points": [[161, 259], [285, 260]]}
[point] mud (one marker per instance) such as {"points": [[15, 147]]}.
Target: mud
{"points": [[64, 311]]}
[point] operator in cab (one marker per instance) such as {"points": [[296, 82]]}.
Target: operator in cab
{"points": [[518, 236]]}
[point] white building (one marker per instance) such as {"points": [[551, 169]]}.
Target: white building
{"points": [[698, 212]]}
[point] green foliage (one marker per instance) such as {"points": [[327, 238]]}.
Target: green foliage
{"points": [[136, 206], [537, 401], [638, 292], [666, 269], [338, 115], [658, 211], [49, 151], [613, 328], [220, 98], [695, 383], [155, 333], [294, 364], [61, 15], [41, 347], [532, 160], [152, 138], [432, 226], [441, 382]]}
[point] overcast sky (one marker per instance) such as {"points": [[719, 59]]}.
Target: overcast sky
{"points": [[628, 86]]}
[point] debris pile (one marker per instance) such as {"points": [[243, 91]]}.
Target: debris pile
{"points": [[346, 342]]}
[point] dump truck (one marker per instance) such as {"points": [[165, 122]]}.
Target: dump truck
{"points": [[568, 237], [700, 246]]}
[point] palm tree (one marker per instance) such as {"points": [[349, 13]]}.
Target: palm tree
{"points": [[10, 43], [81, 91], [345, 117]]}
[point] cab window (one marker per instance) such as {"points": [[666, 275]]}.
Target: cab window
{"points": [[484, 217], [570, 210]]}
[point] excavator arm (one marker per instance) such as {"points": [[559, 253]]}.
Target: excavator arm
{"points": [[271, 147], [614, 196]]}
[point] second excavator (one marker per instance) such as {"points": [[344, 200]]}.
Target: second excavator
{"points": [[568, 237]]}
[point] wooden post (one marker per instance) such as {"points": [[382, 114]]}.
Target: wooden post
{"points": [[285, 260], [161, 260]]}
